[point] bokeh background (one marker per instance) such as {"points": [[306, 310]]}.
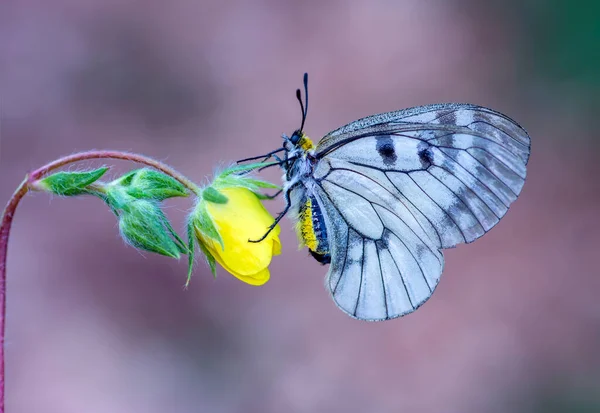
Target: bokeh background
{"points": [[94, 326]]}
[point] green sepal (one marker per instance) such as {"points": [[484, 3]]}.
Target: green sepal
{"points": [[125, 180], [71, 183], [117, 198], [242, 169], [254, 185], [150, 184], [259, 183], [143, 226], [210, 194], [210, 260], [203, 221], [181, 245], [191, 251], [192, 241]]}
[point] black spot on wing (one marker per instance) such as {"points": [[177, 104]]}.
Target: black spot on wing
{"points": [[386, 149], [425, 154], [448, 118]]}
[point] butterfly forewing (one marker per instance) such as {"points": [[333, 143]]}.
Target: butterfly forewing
{"points": [[398, 187]]}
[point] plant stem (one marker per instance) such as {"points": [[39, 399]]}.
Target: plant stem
{"points": [[4, 234], [25, 186], [127, 156]]}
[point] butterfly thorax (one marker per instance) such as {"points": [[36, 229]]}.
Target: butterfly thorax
{"points": [[305, 143], [300, 151]]}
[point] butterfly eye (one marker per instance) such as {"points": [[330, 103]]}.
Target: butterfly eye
{"points": [[295, 138]]}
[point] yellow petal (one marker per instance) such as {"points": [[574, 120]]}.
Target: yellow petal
{"points": [[276, 246], [259, 278]]}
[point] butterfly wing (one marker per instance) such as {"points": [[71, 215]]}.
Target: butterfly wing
{"points": [[403, 185]]}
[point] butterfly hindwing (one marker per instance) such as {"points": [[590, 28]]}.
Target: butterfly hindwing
{"points": [[384, 278]]}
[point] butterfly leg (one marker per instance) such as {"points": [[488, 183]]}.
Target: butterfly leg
{"points": [[288, 205], [280, 162], [265, 156], [275, 195]]}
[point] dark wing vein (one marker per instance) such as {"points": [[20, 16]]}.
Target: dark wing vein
{"points": [[344, 262], [387, 311], [402, 279], [391, 212], [449, 157], [461, 199], [492, 173], [391, 193], [440, 207], [494, 156], [526, 149], [362, 272], [467, 186]]}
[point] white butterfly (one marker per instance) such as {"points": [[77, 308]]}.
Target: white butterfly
{"points": [[380, 198]]}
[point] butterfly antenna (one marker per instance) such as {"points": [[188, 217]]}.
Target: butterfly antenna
{"points": [[303, 106], [305, 95], [299, 97]]}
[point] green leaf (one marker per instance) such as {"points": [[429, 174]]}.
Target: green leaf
{"points": [[143, 226], [71, 183], [210, 194]]}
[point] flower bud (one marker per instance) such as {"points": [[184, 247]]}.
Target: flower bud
{"points": [[69, 183], [224, 221], [143, 225], [150, 184]]}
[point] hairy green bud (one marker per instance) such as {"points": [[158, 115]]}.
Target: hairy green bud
{"points": [[150, 184], [70, 183], [144, 226]]}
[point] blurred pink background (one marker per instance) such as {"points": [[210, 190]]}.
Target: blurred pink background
{"points": [[94, 326]]}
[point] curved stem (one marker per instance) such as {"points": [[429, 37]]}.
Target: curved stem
{"points": [[127, 156], [25, 186]]}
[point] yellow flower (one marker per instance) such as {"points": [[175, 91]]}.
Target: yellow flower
{"points": [[223, 222]]}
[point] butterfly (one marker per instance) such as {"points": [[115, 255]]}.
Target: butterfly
{"points": [[380, 198]]}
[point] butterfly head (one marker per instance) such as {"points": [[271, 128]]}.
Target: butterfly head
{"points": [[299, 140]]}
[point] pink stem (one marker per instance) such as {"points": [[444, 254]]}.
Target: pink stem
{"points": [[24, 187]]}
